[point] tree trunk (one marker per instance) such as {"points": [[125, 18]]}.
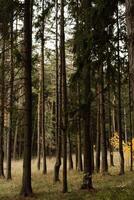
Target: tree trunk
{"points": [[119, 103], [98, 132], [26, 189], [87, 178], [79, 143], [64, 96], [102, 125], [130, 124], [110, 129], [125, 126], [15, 140], [130, 31], [2, 112], [42, 94], [58, 107], [39, 128], [70, 153], [9, 135]]}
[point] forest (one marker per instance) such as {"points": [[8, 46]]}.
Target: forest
{"points": [[66, 99]]}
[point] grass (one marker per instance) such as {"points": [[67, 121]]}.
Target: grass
{"points": [[109, 187]]}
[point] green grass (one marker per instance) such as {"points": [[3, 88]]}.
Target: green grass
{"points": [[109, 187]]}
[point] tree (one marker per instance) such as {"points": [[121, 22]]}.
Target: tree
{"points": [[58, 106], [87, 179], [130, 32], [64, 95], [42, 93], [26, 189], [9, 136], [119, 102]]}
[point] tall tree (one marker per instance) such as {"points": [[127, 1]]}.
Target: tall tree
{"points": [[58, 105], [119, 100], [86, 21], [42, 92], [64, 95], [130, 31], [2, 110], [9, 135], [26, 189]]}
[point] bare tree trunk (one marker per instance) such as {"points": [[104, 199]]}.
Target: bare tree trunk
{"points": [[98, 132], [58, 107], [70, 153], [119, 104], [2, 112], [79, 143], [130, 31], [9, 135], [130, 124], [15, 140], [102, 125], [125, 126], [39, 129], [87, 178], [64, 96], [110, 129], [26, 189], [42, 94]]}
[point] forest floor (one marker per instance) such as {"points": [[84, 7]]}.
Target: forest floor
{"points": [[109, 187]]}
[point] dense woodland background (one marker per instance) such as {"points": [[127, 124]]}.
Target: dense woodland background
{"points": [[66, 92]]}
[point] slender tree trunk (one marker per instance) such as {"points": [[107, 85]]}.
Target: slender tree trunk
{"points": [[15, 140], [98, 132], [2, 112], [130, 124], [9, 135], [34, 130], [64, 96], [42, 94], [39, 129], [130, 31], [110, 129], [70, 153], [114, 120], [76, 156], [26, 189], [125, 126], [102, 125], [119, 104], [79, 143], [58, 107]]}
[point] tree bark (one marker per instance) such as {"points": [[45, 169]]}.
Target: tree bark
{"points": [[64, 96], [70, 153], [42, 95], [2, 112], [130, 32], [9, 135], [110, 130], [102, 125], [98, 132], [26, 189], [58, 106], [119, 103], [79, 143]]}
